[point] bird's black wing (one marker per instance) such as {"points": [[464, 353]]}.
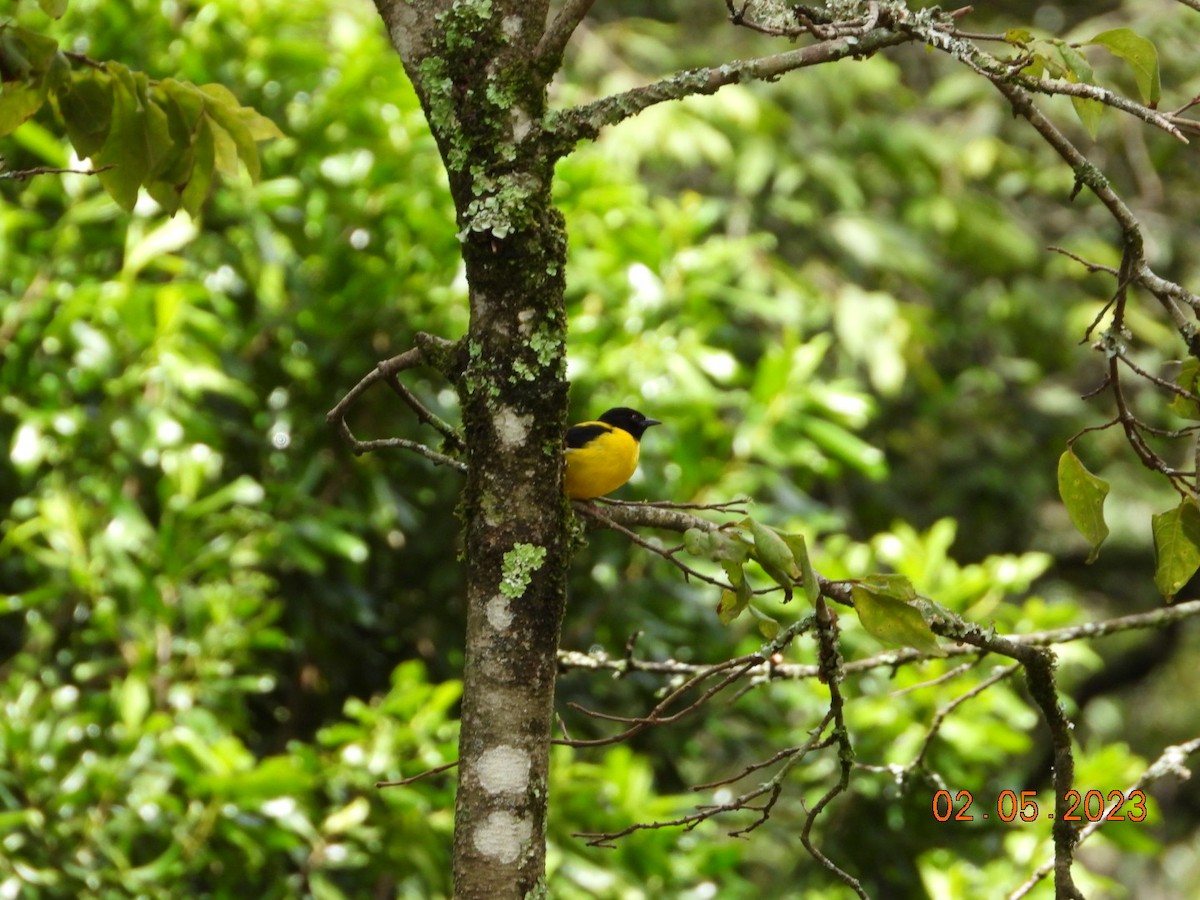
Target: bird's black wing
{"points": [[582, 435]]}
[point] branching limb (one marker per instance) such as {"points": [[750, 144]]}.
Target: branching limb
{"points": [[567, 127], [1169, 763], [1170, 295], [670, 555], [1039, 664], [388, 372], [732, 670], [772, 789], [935, 726]]}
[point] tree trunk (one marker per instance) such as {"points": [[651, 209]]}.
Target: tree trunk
{"points": [[472, 65]]}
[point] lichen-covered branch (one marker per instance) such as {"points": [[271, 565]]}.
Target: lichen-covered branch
{"points": [[1038, 663], [565, 128]]}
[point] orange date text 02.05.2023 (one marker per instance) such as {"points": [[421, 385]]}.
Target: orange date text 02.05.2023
{"points": [[1090, 806]]}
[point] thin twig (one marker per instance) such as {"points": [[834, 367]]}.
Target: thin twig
{"points": [[26, 174], [445, 767]]}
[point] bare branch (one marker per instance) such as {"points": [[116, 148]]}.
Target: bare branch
{"points": [[773, 787], [25, 174], [387, 371], [445, 767], [936, 725]]}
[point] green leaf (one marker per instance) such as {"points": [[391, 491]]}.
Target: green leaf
{"points": [[127, 148], [771, 550], [1083, 495], [891, 620], [1141, 55], [25, 60], [222, 106], [1078, 70], [808, 575], [1186, 407], [200, 177], [893, 587], [224, 148], [727, 609], [25, 55], [1176, 547], [1018, 36], [53, 8], [86, 108], [18, 102], [768, 626]]}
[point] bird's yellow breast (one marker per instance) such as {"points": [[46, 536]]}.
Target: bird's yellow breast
{"points": [[602, 465]]}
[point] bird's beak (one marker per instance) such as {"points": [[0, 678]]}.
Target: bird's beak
{"points": [[650, 422]]}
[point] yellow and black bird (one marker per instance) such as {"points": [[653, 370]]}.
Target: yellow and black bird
{"points": [[602, 455]]}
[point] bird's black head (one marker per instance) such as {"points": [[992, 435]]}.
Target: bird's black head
{"points": [[628, 420]]}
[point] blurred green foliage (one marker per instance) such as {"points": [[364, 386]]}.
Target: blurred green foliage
{"points": [[218, 629]]}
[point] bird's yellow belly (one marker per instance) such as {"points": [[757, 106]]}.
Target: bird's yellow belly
{"points": [[601, 467]]}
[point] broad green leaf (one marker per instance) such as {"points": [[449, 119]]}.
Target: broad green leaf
{"points": [[893, 621], [1185, 407], [735, 572], [1080, 71], [1036, 67], [1083, 495], [53, 8], [125, 149], [1176, 547], [18, 102], [771, 549], [799, 548], [25, 60], [893, 587], [727, 609], [200, 176], [223, 107], [25, 55], [768, 626], [86, 108], [1018, 36], [1141, 55], [224, 148]]}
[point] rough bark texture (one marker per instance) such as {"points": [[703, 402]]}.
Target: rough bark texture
{"points": [[471, 62]]}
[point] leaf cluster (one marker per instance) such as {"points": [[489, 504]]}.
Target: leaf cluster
{"points": [[167, 136]]}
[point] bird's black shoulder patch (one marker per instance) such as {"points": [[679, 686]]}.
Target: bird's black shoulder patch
{"points": [[580, 435]]}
